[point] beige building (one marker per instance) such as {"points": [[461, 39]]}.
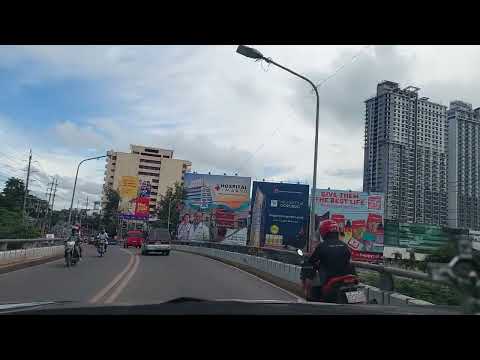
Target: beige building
{"points": [[148, 164]]}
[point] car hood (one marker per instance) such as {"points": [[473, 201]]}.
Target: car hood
{"points": [[197, 306]]}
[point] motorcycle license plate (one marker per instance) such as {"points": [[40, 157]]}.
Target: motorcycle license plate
{"points": [[355, 297]]}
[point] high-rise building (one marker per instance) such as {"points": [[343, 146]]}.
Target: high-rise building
{"points": [[148, 164], [406, 153], [464, 166]]}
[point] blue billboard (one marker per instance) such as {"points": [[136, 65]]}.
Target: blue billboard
{"points": [[279, 215]]}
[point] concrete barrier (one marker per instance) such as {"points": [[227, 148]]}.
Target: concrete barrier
{"points": [[291, 273], [14, 256]]}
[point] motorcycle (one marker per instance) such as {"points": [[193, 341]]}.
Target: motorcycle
{"points": [[101, 248], [71, 254], [340, 289]]}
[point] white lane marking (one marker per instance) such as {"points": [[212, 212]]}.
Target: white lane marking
{"points": [[117, 278], [299, 299], [124, 282]]}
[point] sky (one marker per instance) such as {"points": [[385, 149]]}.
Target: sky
{"points": [[223, 112]]}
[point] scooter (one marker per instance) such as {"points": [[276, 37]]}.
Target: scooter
{"points": [[101, 248], [340, 290], [71, 255]]}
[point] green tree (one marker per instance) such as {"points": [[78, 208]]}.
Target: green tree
{"points": [[12, 194], [110, 214], [173, 197], [12, 226]]}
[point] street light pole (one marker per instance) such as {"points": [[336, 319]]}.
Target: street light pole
{"points": [[75, 183], [255, 54]]}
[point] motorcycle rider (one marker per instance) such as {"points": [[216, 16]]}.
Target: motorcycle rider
{"points": [[332, 256], [75, 237], [103, 237]]}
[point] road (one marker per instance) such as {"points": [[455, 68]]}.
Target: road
{"points": [[123, 276]]}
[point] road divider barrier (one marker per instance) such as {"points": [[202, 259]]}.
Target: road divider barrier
{"points": [[24, 255], [290, 272]]}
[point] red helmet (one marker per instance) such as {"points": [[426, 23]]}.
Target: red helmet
{"points": [[327, 226]]}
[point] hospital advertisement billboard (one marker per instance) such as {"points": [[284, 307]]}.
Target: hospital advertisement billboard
{"points": [[215, 209]]}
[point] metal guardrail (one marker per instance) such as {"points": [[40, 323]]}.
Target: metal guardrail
{"points": [[288, 272], [387, 273]]}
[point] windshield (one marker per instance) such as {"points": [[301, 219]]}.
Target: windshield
{"points": [[327, 174]]}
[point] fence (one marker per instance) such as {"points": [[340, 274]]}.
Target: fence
{"points": [[284, 264], [15, 244]]}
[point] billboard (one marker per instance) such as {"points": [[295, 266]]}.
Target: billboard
{"points": [[475, 237], [134, 198], [215, 209], [279, 215], [142, 208], [360, 217], [420, 237], [128, 189]]}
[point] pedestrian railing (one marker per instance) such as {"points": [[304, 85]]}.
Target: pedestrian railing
{"points": [[15, 244], [387, 273]]}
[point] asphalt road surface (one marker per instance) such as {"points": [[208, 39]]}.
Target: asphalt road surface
{"points": [[123, 276]]}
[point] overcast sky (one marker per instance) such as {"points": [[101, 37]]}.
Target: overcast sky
{"points": [[224, 112]]}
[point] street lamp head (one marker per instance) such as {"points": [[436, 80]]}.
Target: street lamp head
{"points": [[249, 52]]}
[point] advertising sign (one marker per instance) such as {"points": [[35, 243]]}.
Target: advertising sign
{"points": [[475, 237], [134, 198], [279, 215], [128, 189], [419, 237], [215, 209], [142, 209], [360, 217]]}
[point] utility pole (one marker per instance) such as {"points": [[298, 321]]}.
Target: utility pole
{"points": [[86, 209], [26, 185], [49, 191], [53, 201]]}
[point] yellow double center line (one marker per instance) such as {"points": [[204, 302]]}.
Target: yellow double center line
{"points": [[119, 282]]}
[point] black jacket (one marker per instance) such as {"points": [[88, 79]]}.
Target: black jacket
{"points": [[332, 258]]}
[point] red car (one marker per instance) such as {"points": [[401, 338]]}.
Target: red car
{"points": [[134, 238]]}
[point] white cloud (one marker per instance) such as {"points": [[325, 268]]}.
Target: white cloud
{"points": [[222, 111]]}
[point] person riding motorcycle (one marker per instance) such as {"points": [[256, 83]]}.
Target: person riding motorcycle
{"points": [[103, 237], [74, 236], [331, 257]]}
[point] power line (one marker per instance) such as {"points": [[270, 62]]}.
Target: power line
{"points": [[321, 83], [353, 59], [26, 184]]}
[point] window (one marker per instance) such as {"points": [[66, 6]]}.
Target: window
{"points": [[151, 161], [147, 173], [146, 154], [148, 167], [151, 150]]}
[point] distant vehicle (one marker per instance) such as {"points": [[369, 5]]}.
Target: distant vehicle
{"points": [[71, 254], [101, 248], [158, 240], [134, 238], [113, 241]]}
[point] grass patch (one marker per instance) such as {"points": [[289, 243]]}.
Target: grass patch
{"points": [[434, 293]]}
